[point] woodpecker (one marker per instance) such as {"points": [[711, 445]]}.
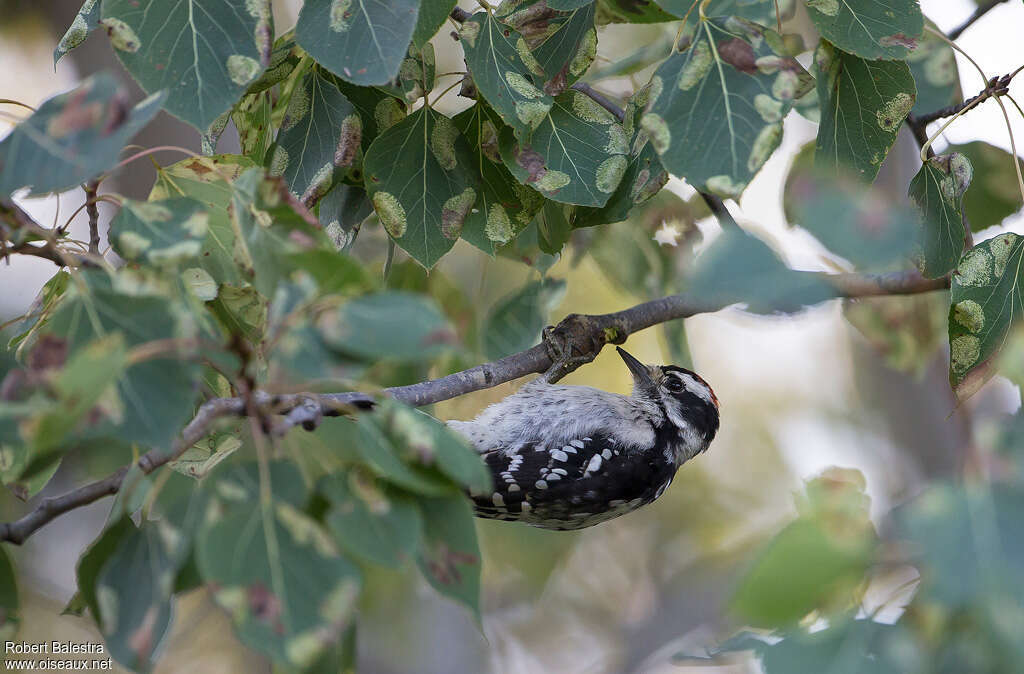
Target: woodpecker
{"points": [[570, 457]]}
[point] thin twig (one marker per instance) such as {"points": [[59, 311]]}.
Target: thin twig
{"points": [[600, 99], [589, 333], [93, 211], [978, 13], [717, 206]]}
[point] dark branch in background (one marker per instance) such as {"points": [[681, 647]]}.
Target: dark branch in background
{"points": [[601, 100], [978, 13], [585, 334], [93, 211]]}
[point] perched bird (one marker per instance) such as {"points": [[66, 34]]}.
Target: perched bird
{"points": [[569, 457]]}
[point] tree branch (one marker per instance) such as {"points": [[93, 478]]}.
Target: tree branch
{"points": [[29, 231], [978, 13], [587, 333], [92, 209]]}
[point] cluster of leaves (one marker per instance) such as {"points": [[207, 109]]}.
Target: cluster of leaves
{"points": [[239, 276], [829, 586]]}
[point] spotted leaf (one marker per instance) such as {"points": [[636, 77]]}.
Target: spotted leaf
{"points": [[205, 53], [72, 137], [449, 556], [280, 578], [85, 21], [561, 44], [504, 207], [986, 301], [424, 199], [938, 190], [882, 29], [863, 104], [576, 156], [320, 138], [505, 72], [737, 76], [361, 42], [163, 233], [370, 521]]}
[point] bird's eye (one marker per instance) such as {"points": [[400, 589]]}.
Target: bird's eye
{"points": [[674, 385]]}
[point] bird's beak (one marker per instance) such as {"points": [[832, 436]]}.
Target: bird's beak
{"points": [[642, 379]]}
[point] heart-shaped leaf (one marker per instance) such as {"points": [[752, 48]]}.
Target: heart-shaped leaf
{"points": [[563, 44], [736, 74], [320, 136], [205, 53], [422, 200]]}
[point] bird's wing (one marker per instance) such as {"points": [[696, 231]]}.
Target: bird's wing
{"points": [[571, 482]]}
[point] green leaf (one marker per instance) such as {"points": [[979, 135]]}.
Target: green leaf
{"points": [[814, 561], [278, 575], [855, 221], [92, 561], [938, 190], [133, 594], [396, 325], [503, 71], [450, 557], [378, 109], [342, 213], [252, 120], [320, 136], [86, 20], [238, 485], [204, 53], [334, 272], [504, 207], [210, 181], [363, 43], [959, 559], [72, 137], [240, 311], [644, 177], [269, 226], [162, 233], [986, 301], [432, 16], [886, 29], [516, 321], [423, 200], [563, 44], [738, 267], [863, 104], [737, 74], [576, 156], [421, 438], [994, 195], [370, 441], [933, 65], [553, 227], [155, 395], [9, 605], [370, 522]]}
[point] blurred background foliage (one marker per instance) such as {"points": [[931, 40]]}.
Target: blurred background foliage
{"points": [[763, 555]]}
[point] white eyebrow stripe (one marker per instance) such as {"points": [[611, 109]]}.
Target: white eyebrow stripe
{"points": [[695, 386]]}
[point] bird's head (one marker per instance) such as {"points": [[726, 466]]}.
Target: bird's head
{"points": [[686, 399]]}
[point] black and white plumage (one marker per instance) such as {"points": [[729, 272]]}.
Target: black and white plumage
{"points": [[569, 457]]}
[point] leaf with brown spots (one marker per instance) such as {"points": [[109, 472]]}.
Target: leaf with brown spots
{"points": [[72, 137], [450, 557]]}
